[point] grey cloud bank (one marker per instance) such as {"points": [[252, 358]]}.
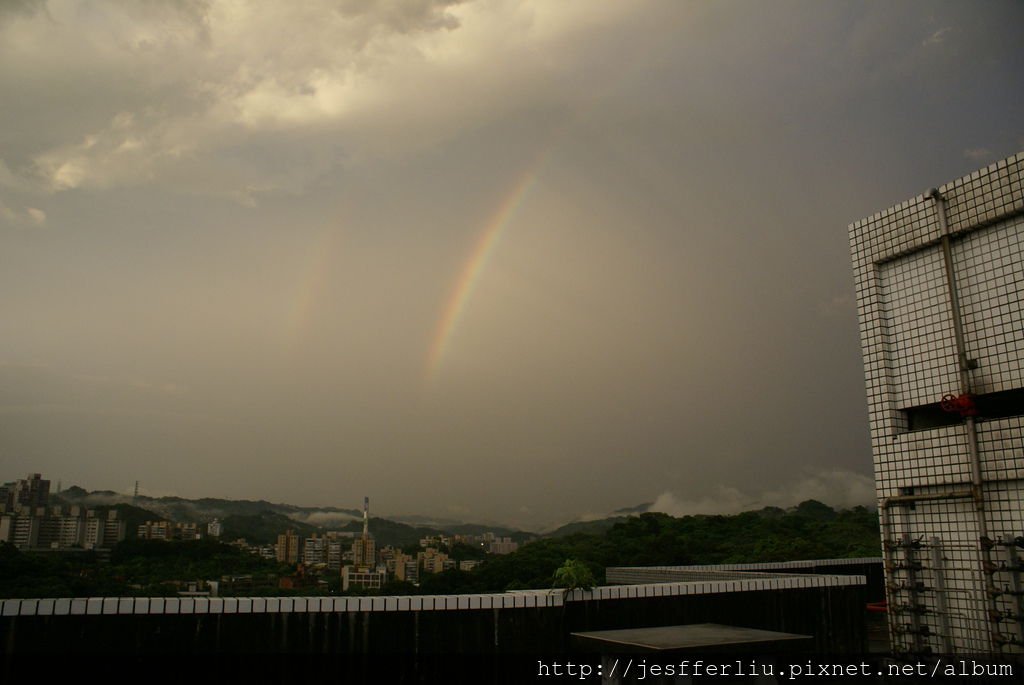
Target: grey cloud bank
{"points": [[231, 234]]}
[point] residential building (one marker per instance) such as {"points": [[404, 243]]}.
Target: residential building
{"points": [[53, 528], [503, 546], [169, 530], [72, 527], [314, 551], [431, 560], [103, 532], [19, 530], [187, 531], [409, 571], [436, 541], [287, 550], [364, 552], [214, 528], [334, 554], [156, 530], [31, 493], [352, 576], [399, 564]]}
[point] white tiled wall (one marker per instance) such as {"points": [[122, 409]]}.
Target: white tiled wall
{"points": [[910, 360]]}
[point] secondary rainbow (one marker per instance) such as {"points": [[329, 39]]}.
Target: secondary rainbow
{"points": [[315, 281]]}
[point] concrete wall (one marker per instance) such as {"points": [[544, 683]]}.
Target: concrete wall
{"points": [[940, 579]]}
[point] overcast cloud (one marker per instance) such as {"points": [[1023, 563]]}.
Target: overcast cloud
{"points": [[518, 260]]}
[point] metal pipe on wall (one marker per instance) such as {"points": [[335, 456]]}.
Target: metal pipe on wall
{"points": [[964, 366], [941, 605], [885, 521]]}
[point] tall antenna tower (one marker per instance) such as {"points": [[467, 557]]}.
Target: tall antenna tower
{"points": [[135, 497], [366, 518]]}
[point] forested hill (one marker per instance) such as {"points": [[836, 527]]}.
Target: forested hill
{"points": [[810, 531]]}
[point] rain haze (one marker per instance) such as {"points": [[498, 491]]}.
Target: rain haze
{"points": [[500, 261]]}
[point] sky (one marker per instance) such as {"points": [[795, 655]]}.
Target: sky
{"points": [[494, 260]]}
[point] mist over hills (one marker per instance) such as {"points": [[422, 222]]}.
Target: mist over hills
{"points": [[260, 521], [203, 509]]}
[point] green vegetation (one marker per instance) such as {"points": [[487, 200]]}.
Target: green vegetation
{"points": [[574, 575], [479, 529], [263, 528], [392, 533], [132, 516], [149, 562], [75, 574], [810, 531], [461, 552], [136, 567], [592, 527], [191, 510]]}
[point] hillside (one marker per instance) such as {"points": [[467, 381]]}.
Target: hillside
{"points": [[811, 530], [260, 522]]}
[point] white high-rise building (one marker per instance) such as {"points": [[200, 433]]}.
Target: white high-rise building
{"points": [[314, 551], [214, 528], [940, 296]]}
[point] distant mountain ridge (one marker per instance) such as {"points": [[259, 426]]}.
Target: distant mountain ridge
{"points": [[811, 508], [205, 508], [636, 509], [260, 521]]}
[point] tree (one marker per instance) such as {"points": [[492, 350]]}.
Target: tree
{"points": [[574, 575]]}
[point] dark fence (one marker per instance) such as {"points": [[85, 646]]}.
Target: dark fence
{"points": [[833, 615]]}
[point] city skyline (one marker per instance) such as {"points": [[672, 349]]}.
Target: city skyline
{"points": [[513, 262]]}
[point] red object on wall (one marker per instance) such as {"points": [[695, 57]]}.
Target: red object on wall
{"points": [[959, 404]]}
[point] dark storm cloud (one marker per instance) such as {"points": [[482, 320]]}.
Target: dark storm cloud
{"points": [[20, 8], [232, 234]]}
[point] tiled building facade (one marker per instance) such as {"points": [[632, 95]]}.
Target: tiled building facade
{"points": [[940, 297]]}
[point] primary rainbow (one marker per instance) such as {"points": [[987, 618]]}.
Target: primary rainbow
{"points": [[473, 268]]}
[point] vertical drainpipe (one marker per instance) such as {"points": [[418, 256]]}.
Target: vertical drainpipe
{"points": [[941, 603], [965, 365]]}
